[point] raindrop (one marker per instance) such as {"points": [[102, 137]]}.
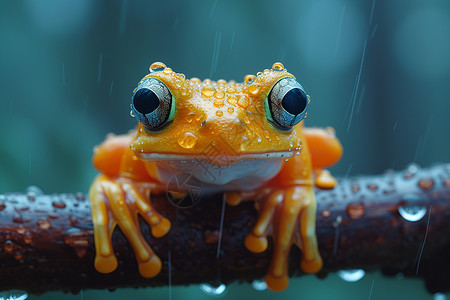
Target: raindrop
{"points": [[351, 275], [33, 191], [412, 213], [44, 224], [110, 88], [213, 290], [411, 170], [8, 247], [426, 184], [355, 210], [58, 203], [259, 285], [13, 295], [216, 51]]}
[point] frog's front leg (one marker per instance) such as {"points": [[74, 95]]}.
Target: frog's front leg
{"points": [[290, 216], [118, 202]]}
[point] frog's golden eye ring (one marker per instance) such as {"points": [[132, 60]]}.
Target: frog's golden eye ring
{"points": [[286, 104], [152, 104]]}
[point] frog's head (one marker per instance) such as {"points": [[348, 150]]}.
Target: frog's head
{"points": [[191, 119]]}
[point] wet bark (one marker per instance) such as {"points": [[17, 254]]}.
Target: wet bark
{"points": [[46, 241]]}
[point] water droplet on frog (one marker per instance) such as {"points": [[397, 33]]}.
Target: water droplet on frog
{"points": [[219, 94], [182, 76], [259, 285], [412, 213], [43, 224], [249, 79], [244, 142], [190, 117], [188, 140], [157, 67], [278, 67], [351, 275], [221, 82], [213, 289], [131, 114], [208, 90], [218, 103], [231, 90], [253, 89], [259, 139], [13, 295], [439, 296]]}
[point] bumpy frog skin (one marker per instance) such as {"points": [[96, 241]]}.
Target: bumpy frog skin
{"points": [[245, 140]]}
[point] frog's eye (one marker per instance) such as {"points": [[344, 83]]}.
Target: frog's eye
{"points": [[152, 104], [286, 104]]}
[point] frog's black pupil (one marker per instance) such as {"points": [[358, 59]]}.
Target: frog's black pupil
{"points": [[145, 101], [294, 102]]}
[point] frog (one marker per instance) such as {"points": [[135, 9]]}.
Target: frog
{"points": [[245, 140]]}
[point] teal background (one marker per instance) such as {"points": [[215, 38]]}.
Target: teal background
{"points": [[67, 70]]}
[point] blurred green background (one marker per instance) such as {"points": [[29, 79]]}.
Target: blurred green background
{"points": [[377, 71]]}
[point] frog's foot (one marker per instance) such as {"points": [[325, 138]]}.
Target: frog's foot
{"points": [[289, 213], [119, 203]]}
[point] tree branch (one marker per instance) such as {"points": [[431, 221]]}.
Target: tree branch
{"points": [[46, 241]]}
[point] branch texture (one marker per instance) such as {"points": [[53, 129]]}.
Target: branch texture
{"points": [[396, 222]]}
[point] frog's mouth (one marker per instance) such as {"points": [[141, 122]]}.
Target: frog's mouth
{"points": [[218, 159]]}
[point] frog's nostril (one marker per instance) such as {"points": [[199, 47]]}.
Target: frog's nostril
{"points": [[145, 101]]}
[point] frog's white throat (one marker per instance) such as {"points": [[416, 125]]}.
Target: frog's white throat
{"points": [[244, 174]]}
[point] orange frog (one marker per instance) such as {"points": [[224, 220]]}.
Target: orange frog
{"points": [[243, 139]]}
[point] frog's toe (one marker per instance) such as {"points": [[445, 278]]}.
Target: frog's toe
{"points": [[233, 198], [325, 180], [161, 228], [105, 264], [311, 266], [277, 283], [151, 267], [256, 244]]}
